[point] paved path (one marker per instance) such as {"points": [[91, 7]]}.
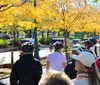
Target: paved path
{"points": [[6, 56]]}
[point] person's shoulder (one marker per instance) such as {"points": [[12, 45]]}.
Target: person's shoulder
{"points": [[73, 80], [83, 81], [70, 61], [37, 61], [16, 64], [51, 54], [62, 55]]}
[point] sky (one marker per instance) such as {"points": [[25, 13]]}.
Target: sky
{"points": [[91, 3]]}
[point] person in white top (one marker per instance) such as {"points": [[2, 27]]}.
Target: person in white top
{"points": [[95, 48], [87, 73], [56, 60]]}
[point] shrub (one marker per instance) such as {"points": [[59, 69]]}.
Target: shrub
{"points": [[4, 43], [45, 41], [16, 41]]}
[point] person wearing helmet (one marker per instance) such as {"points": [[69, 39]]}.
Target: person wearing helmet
{"points": [[56, 60], [88, 45], [87, 73], [95, 48], [93, 40], [70, 67], [27, 70]]}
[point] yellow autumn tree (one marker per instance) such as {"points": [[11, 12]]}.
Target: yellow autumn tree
{"points": [[62, 14], [88, 20]]}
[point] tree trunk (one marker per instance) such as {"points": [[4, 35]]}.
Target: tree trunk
{"points": [[91, 34], [68, 34], [58, 34], [14, 34], [42, 34], [17, 34], [33, 35], [30, 33], [36, 52], [88, 34], [65, 41], [82, 35], [48, 33], [94, 33]]}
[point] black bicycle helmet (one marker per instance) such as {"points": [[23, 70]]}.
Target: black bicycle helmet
{"points": [[27, 47], [93, 40], [58, 45]]}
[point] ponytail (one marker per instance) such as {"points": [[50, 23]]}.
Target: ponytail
{"points": [[94, 76]]}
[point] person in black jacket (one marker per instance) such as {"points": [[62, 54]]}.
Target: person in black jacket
{"points": [[70, 67], [27, 70]]}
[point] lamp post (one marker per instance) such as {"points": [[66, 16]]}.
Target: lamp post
{"points": [[36, 52]]}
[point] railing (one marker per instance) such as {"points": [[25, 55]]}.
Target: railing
{"points": [[9, 65]]}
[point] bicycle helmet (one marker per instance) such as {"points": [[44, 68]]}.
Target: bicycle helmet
{"points": [[78, 48], [88, 44], [58, 45], [93, 40], [27, 47]]}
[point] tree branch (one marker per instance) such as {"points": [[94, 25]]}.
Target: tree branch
{"points": [[1, 6], [1, 10], [5, 9], [74, 20]]}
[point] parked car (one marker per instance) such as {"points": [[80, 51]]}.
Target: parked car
{"points": [[5, 36], [27, 40]]}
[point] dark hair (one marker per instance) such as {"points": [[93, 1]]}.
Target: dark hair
{"points": [[88, 44], [94, 75], [27, 47]]}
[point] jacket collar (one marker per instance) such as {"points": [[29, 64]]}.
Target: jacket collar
{"points": [[27, 55]]}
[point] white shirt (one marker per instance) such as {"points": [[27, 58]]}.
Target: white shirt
{"points": [[96, 50], [56, 59], [81, 81], [31, 41]]}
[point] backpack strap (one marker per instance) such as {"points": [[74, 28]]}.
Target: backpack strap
{"points": [[95, 50]]}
